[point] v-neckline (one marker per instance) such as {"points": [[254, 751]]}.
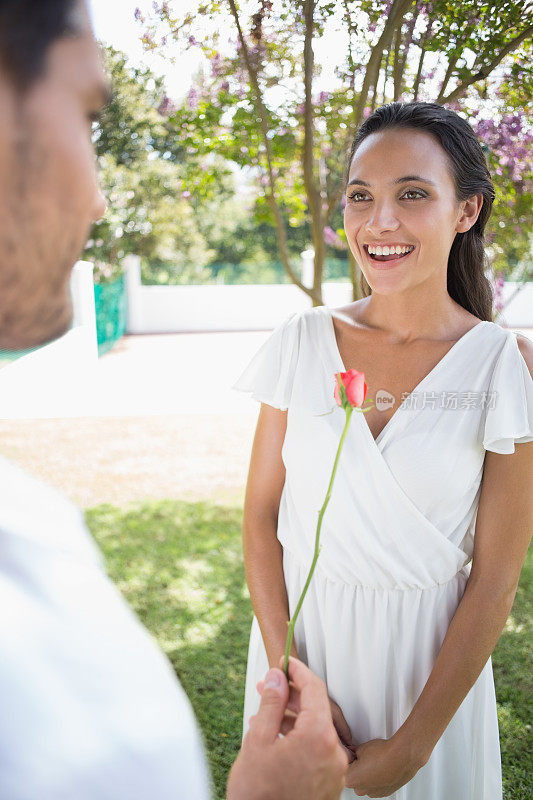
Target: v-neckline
{"points": [[340, 365]]}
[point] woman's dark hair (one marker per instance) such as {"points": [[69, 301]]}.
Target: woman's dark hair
{"points": [[467, 283], [27, 29]]}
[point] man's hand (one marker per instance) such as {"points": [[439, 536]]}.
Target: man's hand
{"points": [[308, 761], [339, 722]]}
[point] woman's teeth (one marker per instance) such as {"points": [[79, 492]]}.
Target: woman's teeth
{"points": [[389, 253]]}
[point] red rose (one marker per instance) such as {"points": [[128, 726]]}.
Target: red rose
{"points": [[354, 386]]}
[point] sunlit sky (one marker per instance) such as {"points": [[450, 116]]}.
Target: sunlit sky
{"points": [[114, 23]]}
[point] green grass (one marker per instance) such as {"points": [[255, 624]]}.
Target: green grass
{"points": [[180, 567]]}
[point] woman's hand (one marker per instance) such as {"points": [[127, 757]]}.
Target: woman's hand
{"points": [[343, 730], [380, 768]]}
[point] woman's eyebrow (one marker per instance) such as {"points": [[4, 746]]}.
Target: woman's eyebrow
{"points": [[406, 178]]}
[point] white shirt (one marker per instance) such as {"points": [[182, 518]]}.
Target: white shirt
{"points": [[90, 706]]}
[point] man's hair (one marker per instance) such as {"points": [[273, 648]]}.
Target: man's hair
{"points": [[27, 29]]}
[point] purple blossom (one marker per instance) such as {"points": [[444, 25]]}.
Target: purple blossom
{"points": [[193, 97], [186, 194], [217, 65], [166, 107], [192, 41], [333, 239], [138, 15], [323, 96], [367, 111], [509, 144], [224, 86]]}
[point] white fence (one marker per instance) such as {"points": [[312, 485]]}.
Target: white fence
{"points": [[177, 309]]}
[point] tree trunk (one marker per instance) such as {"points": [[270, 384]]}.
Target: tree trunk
{"points": [[271, 196], [314, 198], [397, 64]]}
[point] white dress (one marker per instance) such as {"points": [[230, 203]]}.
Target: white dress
{"points": [[397, 535]]}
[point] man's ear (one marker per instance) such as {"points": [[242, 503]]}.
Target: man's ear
{"points": [[469, 213]]}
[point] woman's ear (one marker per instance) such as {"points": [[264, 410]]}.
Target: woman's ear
{"points": [[469, 213]]}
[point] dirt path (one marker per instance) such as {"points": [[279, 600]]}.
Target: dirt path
{"points": [[120, 460]]}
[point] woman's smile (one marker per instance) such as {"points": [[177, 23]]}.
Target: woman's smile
{"points": [[384, 257]]}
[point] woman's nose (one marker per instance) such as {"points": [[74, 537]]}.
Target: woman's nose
{"points": [[381, 218]]}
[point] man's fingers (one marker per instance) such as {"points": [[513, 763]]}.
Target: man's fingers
{"points": [[314, 701], [265, 725], [287, 723], [294, 696]]}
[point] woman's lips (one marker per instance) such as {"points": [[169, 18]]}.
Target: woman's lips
{"points": [[390, 264]]}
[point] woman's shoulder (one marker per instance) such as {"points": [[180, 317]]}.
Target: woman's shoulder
{"points": [[525, 346]]}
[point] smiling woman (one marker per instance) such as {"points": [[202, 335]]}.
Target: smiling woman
{"points": [[431, 514], [453, 176]]}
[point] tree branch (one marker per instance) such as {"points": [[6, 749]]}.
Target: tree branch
{"points": [[448, 74], [397, 65], [488, 68], [425, 37], [407, 45], [396, 14], [281, 235], [314, 198]]}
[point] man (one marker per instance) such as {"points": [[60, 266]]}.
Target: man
{"points": [[91, 708]]}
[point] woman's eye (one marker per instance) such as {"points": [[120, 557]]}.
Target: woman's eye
{"points": [[354, 195], [359, 197], [413, 191]]}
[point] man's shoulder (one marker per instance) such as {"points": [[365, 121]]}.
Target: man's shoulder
{"points": [[38, 514]]}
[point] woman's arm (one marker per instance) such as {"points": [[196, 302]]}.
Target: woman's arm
{"points": [[504, 527], [263, 553]]}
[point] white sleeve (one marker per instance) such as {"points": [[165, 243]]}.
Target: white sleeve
{"points": [[509, 413], [269, 376]]}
